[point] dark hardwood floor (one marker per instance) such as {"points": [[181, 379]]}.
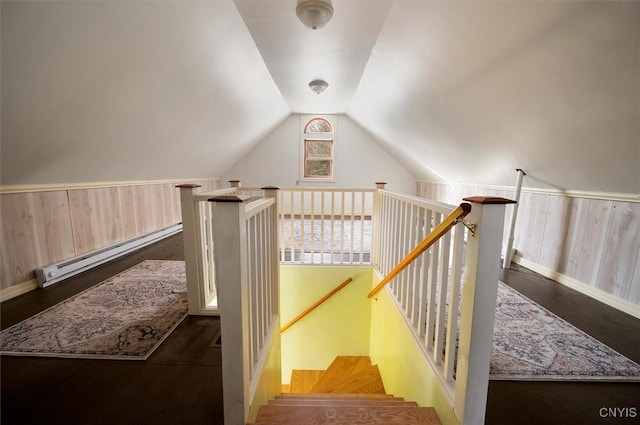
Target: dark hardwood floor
{"points": [[513, 403], [181, 383]]}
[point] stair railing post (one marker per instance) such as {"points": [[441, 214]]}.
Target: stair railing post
{"points": [[191, 240], [482, 266], [376, 223], [508, 254], [272, 192], [230, 233]]}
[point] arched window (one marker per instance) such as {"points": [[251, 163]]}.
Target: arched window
{"points": [[318, 149]]}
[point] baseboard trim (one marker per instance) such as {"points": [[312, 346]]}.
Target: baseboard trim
{"points": [[598, 294], [19, 289]]}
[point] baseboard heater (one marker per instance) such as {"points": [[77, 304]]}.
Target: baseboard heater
{"points": [[56, 272]]}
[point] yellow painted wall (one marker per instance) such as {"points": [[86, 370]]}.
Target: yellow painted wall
{"points": [[404, 370], [340, 326], [269, 384]]}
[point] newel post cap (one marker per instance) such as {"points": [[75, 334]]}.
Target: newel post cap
{"points": [[487, 200], [230, 198]]}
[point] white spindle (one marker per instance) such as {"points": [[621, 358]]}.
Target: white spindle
{"points": [[454, 302]]}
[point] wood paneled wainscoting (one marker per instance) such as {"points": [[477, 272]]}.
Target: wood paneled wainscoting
{"points": [[45, 224], [589, 241]]}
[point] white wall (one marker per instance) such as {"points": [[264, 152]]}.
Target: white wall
{"points": [[359, 160], [117, 91], [473, 90]]}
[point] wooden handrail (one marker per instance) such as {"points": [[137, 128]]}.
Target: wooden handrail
{"points": [[441, 229], [316, 304]]}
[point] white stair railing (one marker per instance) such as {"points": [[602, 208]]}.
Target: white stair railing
{"points": [[453, 322], [247, 272], [325, 225], [197, 227], [454, 330]]}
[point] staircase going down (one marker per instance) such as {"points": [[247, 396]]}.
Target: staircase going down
{"points": [[350, 391]]}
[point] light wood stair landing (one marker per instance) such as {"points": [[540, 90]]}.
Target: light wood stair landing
{"points": [[350, 391]]}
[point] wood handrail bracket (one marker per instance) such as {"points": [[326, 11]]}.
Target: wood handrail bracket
{"points": [[316, 304], [440, 230]]}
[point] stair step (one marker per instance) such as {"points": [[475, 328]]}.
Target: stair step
{"points": [[343, 415], [367, 381], [303, 380], [341, 368], [341, 402], [335, 396]]}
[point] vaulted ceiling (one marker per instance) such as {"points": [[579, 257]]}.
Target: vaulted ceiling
{"points": [[464, 91]]}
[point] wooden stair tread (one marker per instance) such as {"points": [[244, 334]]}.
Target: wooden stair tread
{"points": [[350, 392], [342, 415], [340, 369], [303, 380], [367, 381], [334, 396], [340, 402]]}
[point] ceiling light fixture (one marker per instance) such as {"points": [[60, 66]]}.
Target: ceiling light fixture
{"points": [[318, 86], [314, 14]]}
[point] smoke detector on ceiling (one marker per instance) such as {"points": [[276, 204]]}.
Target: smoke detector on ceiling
{"points": [[314, 14]]}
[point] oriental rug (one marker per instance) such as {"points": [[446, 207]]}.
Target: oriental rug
{"points": [[124, 317], [531, 343]]}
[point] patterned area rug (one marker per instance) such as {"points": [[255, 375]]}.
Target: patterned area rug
{"points": [[531, 343], [125, 317]]}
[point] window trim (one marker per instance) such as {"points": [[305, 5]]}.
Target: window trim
{"points": [[305, 120]]}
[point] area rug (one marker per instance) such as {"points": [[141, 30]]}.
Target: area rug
{"points": [[125, 317], [531, 343]]}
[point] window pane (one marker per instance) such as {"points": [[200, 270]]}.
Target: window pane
{"points": [[317, 168], [317, 149], [318, 125]]}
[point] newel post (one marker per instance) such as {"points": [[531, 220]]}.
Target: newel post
{"points": [[190, 239], [482, 267], [232, 284], [235, 183], [272, 192]]}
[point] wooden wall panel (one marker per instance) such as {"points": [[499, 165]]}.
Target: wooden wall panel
{"points": [[621, 250], [634, 291], [593, 241], [440, 192], [129, 213], [554, 232], [42, 227], [532, 214], [594, 220], [36, 230], [96, 218], [570, 254]]}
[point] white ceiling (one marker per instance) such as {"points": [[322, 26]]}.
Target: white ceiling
{"points": [[296, 55], [468, 91]]}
